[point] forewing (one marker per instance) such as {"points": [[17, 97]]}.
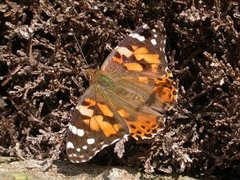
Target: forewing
{"points": [[142, 52], [94, 126], [141, 57]]}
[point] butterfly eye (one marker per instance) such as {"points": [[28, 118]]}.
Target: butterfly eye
{"points": [[89, 77], [88, 73]]}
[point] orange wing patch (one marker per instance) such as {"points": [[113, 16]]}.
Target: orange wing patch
{"points": [[97, 123], [134, 47], [143, 80], [118, 60], [133, 67], [141, 50], [105, 110], [154, 68], [123, 113], [143, 127], [165, 90], [142, 53], [97, 117]]}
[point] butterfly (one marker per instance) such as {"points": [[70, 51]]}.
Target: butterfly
{"points": [[126, 97]]}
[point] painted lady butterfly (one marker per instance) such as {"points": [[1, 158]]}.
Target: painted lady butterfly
{"points": [[126, 96]]}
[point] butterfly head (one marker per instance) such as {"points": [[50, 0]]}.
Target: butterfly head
{"points": [[89, 73]]}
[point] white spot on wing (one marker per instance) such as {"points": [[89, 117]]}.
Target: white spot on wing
{"points": [[138, 37], [164, 41], [78, 149], [85, 111], [80, 132], [124, 51], [83, 158], [74, 130], [154, 42], [155, 35], [70, 155], [70, 145], [154, 30], [141, 38], [70, 127], [91, 141]]}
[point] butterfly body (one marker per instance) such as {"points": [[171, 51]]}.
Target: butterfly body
{"points": [[126, 96]]}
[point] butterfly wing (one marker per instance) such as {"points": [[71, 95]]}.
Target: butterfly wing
{"points": [[142, 52], [139, 65], [94, 126], [129, 100], [142, 56]]}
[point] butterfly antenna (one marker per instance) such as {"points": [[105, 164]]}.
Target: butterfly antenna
{"points": [[80, 49]]}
